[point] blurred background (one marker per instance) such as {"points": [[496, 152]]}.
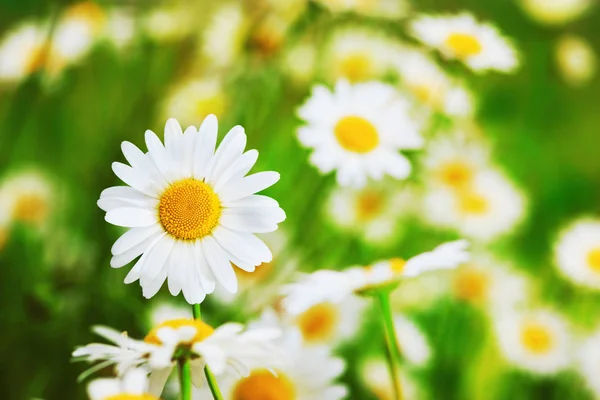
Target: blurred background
{"points": [[76, 79]]}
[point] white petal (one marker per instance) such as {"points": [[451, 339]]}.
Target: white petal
{"points": [[248, 185], [205, 146], [135, 272], [256, 200], [130, 217], [237, 170], [156, 259], [192, 290], [135, 179], [133, 237], [219, 264], [101, 389], [205, 275], [134, 381], [142, 163], [158, 380], [252, 222], [237, 246], [229, 150], [176, 273], [129, 255], [157, 153], [124, 196]]}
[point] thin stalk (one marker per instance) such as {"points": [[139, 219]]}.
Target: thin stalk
{"points": [[196, 311], [212, 382], [393, 350], [185, 378]]}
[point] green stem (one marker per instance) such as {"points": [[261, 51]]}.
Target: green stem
{"points": [[185, 378], [393, 350], [212, 382]]}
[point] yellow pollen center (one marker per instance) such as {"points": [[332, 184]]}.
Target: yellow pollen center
{"points": [[318, 323], [397, 265], [356, 134], [471, 285], [369, 204], [463, 45], [126, 396], [593, 259], [189, 209], [356, 67], [456, 174], [471, 203], [536, 338], [263, 385], [203, 330], [31, 208]]}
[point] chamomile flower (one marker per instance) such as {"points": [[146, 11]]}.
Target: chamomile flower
{"points": [[491, 207], [478, 45], [536, 341], [556, 12], [119, 28], [223, 37], [29, 196], [577, 253], [588, 364], [357, 55], [132, 386], [23, 51], [357, 130], [431, 86], [190, 210], [372, 212], [391, 9], [413, 344], [576, 60], [375, 374], [299, 62], [336, 286], [193, 100]]}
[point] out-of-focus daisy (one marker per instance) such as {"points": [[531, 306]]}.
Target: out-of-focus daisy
{"points": [[453, 162], [478, 45], [491, 207], [413, 344], [373, 212], [132, 386], [375, 374], [421, 292], [269, 35], [168, 23], [23, 51], [392, 9], [190, 210], [537, 341], [192, 100], [336, 286], [556, 12], [29, 196], [576, 59], [577, 253], [299, 62], [224, 36], [160, 312], [588, 364], [358, 130], [228, 349], [119, 28], [431, 86], [357, 55]]}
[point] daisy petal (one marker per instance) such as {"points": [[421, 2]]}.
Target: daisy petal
{"points": [[135, 179], [128, 256], [229, 150], [219, 264], [238, 169], [156, 259], [129, 217], [248, 185], [205, 146], [133, 237], [205, 276]]}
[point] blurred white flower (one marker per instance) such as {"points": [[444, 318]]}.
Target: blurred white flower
{"points": [[357, 130], [120, 27], [576, 60], [478, 45], [411, 341], [191, 210], [168, 23], [391, 9], [132, 386], [537, 341], [299, 62], [577, 253], [224, 35], [23, 51], [588, 357], [29, 197], [375, 375], [556, 12]]}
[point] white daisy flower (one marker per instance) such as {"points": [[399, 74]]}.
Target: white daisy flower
{"points": [[576, 60], [168, 23], [431, 86], [299, 62], [29, 197], [191, 210], [193, 100], [411, 341], [478, 45], [391, 9], [358, 131], [23, 51], [372, 212], [577, 253], [336, 286], [556, 12], [224, 35], [537, 341], [357, 54], [588, 364], [132, 386], [490, 208], [375, 374], [119, 29]]}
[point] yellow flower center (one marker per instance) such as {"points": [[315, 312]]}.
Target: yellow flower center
{"points": [[89, 12], [126, 396], [369, 204], [463, 45], [593, 259], [215, 104], [263, 385], [189, 209], [397, 265], [203, 330], [456, 174], [318, 323], [32, 208], [471, 203], [536, 338], [356, 67], [471, 285], [356, 134]]}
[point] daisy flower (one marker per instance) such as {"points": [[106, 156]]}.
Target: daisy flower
{"points": [[372, 212], [358, 131], [29, 196], [375, 375], [228, 349], [357, 55], [167, 23], [119, 28], [299, 62], [577, 253], [132, 386], [576, 60], [190, 210], [23, 51], [431, 86], [478, 45], [588, 364], [193, 100], [491, 207], [336, 286], [224, 35], [413, 344], [536, 341], [556, 12], [391, 9]]}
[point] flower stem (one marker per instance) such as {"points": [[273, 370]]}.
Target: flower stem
{"points": [[185, 378], [210, 378], [393, 350]]}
